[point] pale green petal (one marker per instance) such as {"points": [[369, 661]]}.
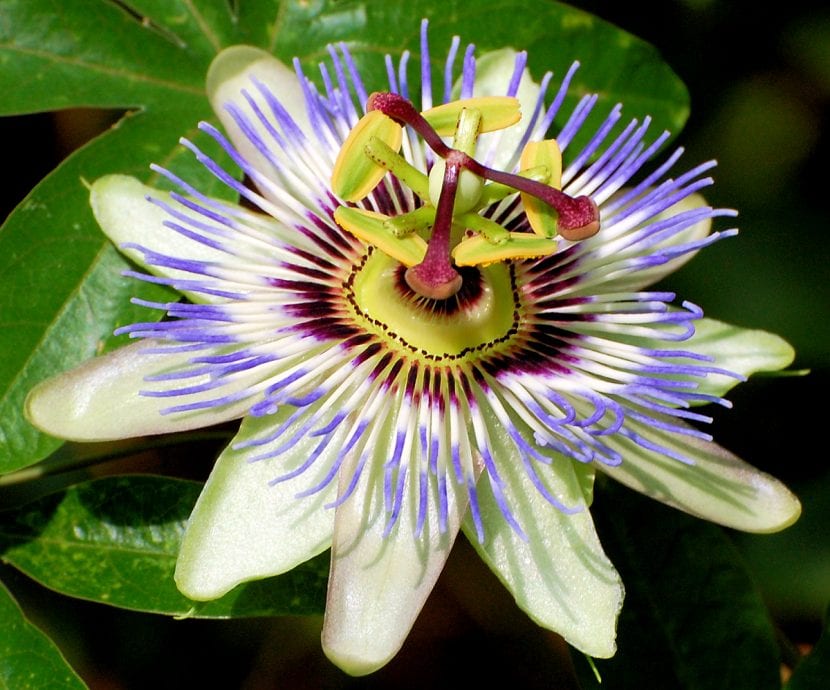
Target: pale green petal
{"points": [[736, 349], [493, 73], [100, 401], [742, 351], [379, 584], [243, 528], [230, 74], [560, 576], [121, 208], [643, 277], [719, 486]]}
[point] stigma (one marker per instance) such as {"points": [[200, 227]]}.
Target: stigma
{"points": [[451, 227]]}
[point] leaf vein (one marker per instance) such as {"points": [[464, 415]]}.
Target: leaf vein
{"points": [[102, 69], [203, 25]]}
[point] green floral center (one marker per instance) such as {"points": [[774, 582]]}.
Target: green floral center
{"points": [[480, 315]]}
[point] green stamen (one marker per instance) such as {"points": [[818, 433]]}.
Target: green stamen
{"points": [[420, 220], [448, 230], [489, 229], [469, 189], [389, 159]]}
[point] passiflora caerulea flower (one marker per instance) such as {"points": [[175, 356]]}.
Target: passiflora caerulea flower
{"points": [[431, 316]]}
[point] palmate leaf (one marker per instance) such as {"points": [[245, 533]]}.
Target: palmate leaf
{"points": [[116, 541], [28, 659], [63, 292]]}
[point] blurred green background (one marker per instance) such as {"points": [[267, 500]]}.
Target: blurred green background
{"points": [[760, 88]]}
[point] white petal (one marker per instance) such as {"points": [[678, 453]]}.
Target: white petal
{"points": [[100, 400], [642, 278], [560, 576], [493, 73], [231, 73], [243, 528], [126, 216], [719, 486], [378, 584]]}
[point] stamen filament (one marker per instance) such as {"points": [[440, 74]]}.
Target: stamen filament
{"points": [[405, 224], [385, 156]]}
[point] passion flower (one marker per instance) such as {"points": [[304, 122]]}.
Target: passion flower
{"points": [[429, 318]]}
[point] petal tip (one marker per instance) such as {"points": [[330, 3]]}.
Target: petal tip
{"points": [[119, 204], [231, 62], [36, 407], [191, 582], [784, 509], [352, 657], [56, 407]]}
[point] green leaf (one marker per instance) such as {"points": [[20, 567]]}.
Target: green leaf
{"points": [[63, 289], [116, 541], [28, 659], [813, 671], [90, 53], [692, 616], [65, 293]]}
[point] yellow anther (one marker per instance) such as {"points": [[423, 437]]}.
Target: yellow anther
{"points": [[497, 112], [355, 174], [542, 218], [478, 251], [371, 227]]}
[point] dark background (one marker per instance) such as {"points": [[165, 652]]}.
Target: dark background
{"points": [[760, 87]]}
